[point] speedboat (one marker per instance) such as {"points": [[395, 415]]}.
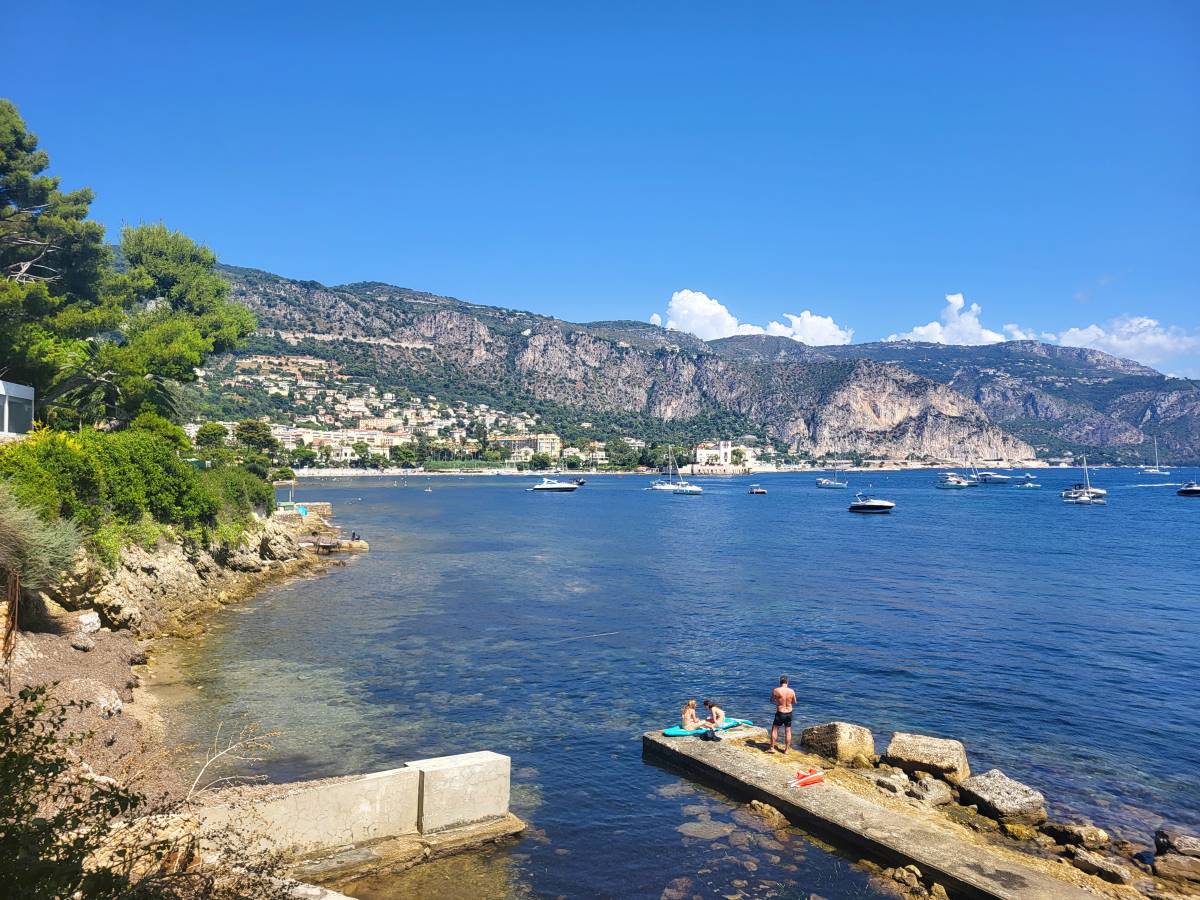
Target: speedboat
{"points": [[757, 489], [687, 489], [831, 482], [1029, 485], [865, 504], [1191, 489], [555, 487], [951, 481], [994, 478], [580, 482]]}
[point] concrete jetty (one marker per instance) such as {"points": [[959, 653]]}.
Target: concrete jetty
{"points": [[337, 830], [943, 853]]}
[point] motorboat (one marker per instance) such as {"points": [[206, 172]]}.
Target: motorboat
{"points": [[580, 482], [428, 490], [994, 478], [1029, 485], [1191, 489], [756, 489], [549, 485], [832, 482], [952, 481], [673, 483], [1155, 469], [862, 503], [1083, 494]]}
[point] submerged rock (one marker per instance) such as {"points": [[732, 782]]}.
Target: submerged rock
{"points": [[940, 756], [705, 829], [769, 814], [1005, 798], [841, 741]]}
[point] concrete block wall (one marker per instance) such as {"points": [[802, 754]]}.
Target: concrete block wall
{"points": [[461, 790], [422, 797]]}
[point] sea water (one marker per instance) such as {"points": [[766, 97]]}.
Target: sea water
{"points": [[1058, 642]]}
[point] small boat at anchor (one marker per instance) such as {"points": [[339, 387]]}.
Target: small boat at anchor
{"points": [[832, 483], [994, 478], [952, 481], [1155, 469], [549, 485], [672, 484], [864, 503], [756, 489], [1084, 494]]}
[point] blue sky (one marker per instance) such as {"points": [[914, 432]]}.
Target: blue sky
{"points": [[848, 164]]}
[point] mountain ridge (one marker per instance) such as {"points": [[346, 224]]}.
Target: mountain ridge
{"points": [[904, 398]]}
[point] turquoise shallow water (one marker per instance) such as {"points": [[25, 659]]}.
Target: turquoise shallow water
{"points": [[1058, 642]]}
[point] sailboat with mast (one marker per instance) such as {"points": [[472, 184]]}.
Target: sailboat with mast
{"points": [[674, 483], [1155, 469], [1084, 494]]}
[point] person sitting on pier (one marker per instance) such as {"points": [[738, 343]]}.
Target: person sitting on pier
{"points": [[784, 699], [689, 721], [716, 715]]}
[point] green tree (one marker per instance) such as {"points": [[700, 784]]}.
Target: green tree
{"points": [[738, 456], [256, 435], [540, 461], [620, 454], [572, 462], [211, 434], [402, 455], [363, 452], [98, 345]]}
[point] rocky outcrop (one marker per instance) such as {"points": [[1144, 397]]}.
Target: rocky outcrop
{"points": [[943, 757], [839, 741], [166, 589], [1004, 798], [1072, 834], [1177, 855]]}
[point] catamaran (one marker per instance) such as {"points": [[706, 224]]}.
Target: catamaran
{"points": [[1084, 494], [672, 484], [1155, 469]]}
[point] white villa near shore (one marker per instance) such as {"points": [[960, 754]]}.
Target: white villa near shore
{"points": [[16, 410]]}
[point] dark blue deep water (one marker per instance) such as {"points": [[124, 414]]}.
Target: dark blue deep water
{"points": [[1059, 643]]}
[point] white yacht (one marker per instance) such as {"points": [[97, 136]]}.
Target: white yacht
{"points": [[832, 482], [952, 481], [1155, 469], [555, 487], [1084, 494], [1191, 489], [673, 483], [993, 478], [862, 503]]}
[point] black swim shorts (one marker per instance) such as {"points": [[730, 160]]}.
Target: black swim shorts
{"points": [[783, 719]]}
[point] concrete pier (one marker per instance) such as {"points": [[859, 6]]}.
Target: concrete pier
{"points": [[846, 819], [338, 829]]}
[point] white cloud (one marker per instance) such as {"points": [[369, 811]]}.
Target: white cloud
{"points": [[958, 326], [1017, 333], [808, 327], [1134, 337], [708, 319]]}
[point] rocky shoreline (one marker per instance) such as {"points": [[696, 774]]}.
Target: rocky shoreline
{"points": [[96, 630]]}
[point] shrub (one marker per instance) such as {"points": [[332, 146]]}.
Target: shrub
{"points": [[240, 491]]}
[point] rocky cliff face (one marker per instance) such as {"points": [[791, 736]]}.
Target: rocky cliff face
{"points": [[811, 401], [166, 590]]}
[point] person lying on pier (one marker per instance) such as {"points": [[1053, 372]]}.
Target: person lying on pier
{"points": [[784, 699], [716, 715], [689, 720]]}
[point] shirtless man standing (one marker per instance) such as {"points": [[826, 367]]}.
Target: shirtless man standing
{"points": [[784, 699]]}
